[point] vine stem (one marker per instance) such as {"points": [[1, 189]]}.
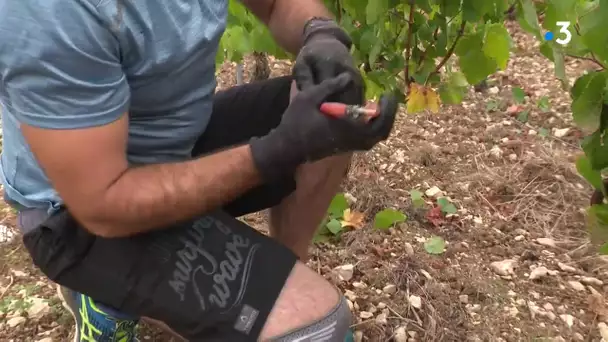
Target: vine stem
{"points": [[408, 46], [450, 52], [592, 59]]}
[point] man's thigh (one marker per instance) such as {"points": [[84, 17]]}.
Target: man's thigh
{"points": [[240, 113], [211, 279]]}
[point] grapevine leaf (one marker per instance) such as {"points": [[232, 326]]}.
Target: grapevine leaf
{"points": [[604, 249], [446, 206], [474, 63], [588, 98], [417, 198], [593, 30], [387, 218], [334, 226], [528, 18], [497, 44], [597, 218], [434, 245], [352, 219], [596, 150], [523, 116], [519, 95], [374, 10], [594, 177], [450, 94], [416, 100], [433, 101], [338, 205]]}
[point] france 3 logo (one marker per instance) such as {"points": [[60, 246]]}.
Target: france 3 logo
{"points": [[564, 34]]}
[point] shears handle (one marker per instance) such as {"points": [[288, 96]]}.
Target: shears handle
{"points": [[340, 110]]}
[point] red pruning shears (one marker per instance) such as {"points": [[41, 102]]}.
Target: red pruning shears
{"points": [[341, 110]]}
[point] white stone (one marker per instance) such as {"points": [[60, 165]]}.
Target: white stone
{"points": [[400, 335], [433, 192], [566, 268], [415, 301], [538, 273], [504, 267], [389, 289], [546, 242], [366, 314], [15, 321], [576, 285], [345, 272]]}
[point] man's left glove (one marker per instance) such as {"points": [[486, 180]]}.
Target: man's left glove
{"points": [[324, 55]]}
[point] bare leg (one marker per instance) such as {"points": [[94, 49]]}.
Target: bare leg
{"points": [[295, 221]]}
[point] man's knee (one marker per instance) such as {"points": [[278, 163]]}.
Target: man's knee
{"points": [[308, 309], [332, 169]]}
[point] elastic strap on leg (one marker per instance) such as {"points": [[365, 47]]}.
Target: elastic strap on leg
{"points": [[335, 327]]}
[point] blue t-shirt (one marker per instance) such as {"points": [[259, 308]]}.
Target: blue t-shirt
{"points": [[83, 63]]}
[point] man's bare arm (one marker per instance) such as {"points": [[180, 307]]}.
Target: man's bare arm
{"points": [[286, 18], [89, 169]]}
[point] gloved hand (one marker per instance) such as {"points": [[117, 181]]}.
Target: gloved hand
{"points": [[325, 54], [305, 134]]}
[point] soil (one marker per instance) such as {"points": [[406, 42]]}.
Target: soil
{"points": [[520, 216]]}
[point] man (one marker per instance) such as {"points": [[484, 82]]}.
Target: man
{"points": [[128, 172]]}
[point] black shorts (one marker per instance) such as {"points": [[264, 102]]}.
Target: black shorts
{"points": [[213, 278]]}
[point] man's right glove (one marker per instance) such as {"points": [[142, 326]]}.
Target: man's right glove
{"points": [[306, 135]]}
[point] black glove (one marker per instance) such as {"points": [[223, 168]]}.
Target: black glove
{"points": [[325, 54], [305, 134]]}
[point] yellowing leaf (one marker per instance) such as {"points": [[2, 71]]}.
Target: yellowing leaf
{"points": [[432, 99], [352, 219], [421, 98], [416, 101]]}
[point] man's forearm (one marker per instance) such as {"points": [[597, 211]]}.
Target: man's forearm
{"points": [[287, 18], [155, 196]]}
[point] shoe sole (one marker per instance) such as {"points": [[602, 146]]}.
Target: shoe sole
{"points": [[65, 305]]}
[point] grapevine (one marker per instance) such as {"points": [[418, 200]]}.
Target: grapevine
{"points": [[430, 52]]}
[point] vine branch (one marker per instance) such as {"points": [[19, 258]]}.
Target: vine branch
{"points": [[450, 51], [408, 46], [592, 58]]}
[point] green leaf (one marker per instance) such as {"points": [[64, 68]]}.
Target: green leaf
{"points": [[449, 8], [594, 177], [597, 220], [417, 198], [523, 116], [588, 97], [543, 104], [528, 18], [603, 249], [560, 67], [320, 238], [497, 44], [387, 218], [450, 94], [338, 205], [446, 206], [375, 10], [592, 28], [474, 10], [596, 150], [434, 245], [519, 95], [457, 79], [543, 132], [334, 226], [476, 66], [473, 62]]}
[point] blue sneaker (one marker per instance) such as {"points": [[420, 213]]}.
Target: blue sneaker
{"points": [[93, 324]]}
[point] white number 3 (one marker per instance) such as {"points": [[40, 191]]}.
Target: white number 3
{"points": [[563, 28]]}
